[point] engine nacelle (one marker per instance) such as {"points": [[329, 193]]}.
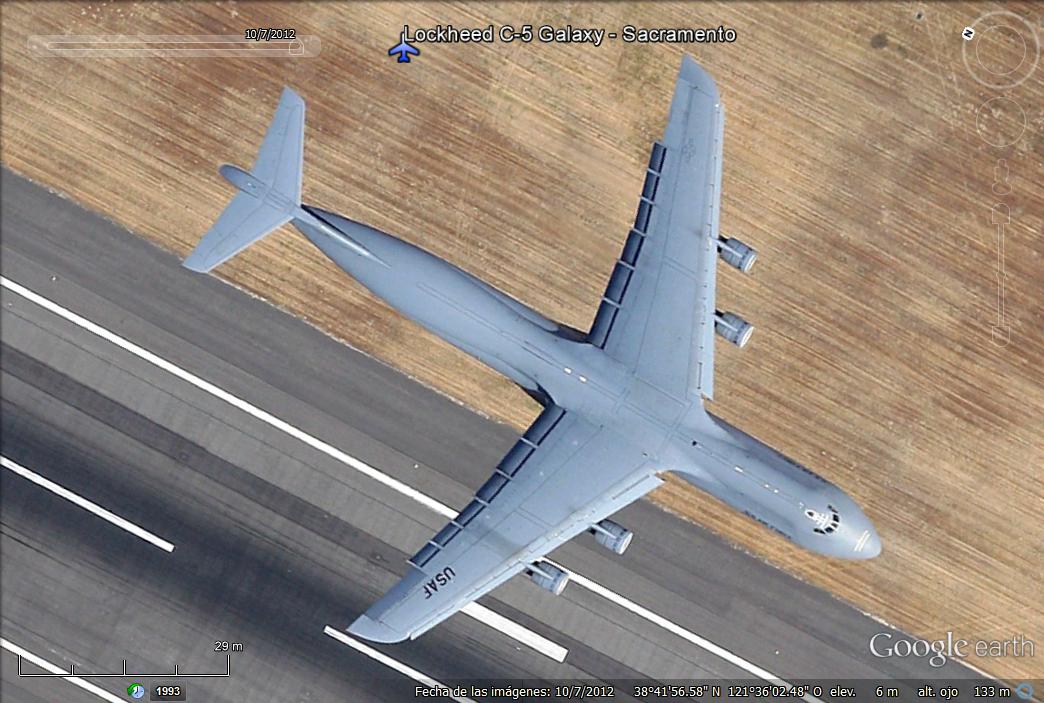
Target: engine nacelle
{"points": [[737, 254], [612, 536], [548, 577], [733, 327]]}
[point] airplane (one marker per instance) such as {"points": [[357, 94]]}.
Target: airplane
{"points": [[623, 403], [404, 49]]}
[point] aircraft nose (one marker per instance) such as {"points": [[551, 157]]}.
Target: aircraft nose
{"points": [[859, 539], [868, 543]]}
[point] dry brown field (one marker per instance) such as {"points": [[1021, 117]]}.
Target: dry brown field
{"points": [[860, 160]]}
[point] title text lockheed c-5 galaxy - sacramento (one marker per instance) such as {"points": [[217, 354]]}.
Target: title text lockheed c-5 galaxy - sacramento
{"points": [[623, 403]]}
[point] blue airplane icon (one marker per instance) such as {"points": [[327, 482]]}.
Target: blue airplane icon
{"points": [[404, 51]]}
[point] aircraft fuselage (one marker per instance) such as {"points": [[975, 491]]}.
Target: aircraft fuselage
{"points": [[553, 362]]}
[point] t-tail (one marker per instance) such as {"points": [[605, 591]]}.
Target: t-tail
{"points": [[270, 195]]}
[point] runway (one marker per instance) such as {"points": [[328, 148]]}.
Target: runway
{"points": [[275, 539]]}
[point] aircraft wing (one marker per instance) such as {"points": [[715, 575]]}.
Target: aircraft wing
{"points": [[657, 314], [562, 476]]}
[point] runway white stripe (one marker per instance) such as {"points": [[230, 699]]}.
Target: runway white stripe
{"points": [[377, 475], [514, 630], [53, 669], [87, 505], [389, 662], [670, 626]]}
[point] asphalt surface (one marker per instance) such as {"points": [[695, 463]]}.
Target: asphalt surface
{"points": [[275, 540]]}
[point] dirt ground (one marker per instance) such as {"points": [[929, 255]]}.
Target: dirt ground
{"points": [[861, 159]]}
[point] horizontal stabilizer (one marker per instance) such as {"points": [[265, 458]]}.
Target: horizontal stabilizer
{"points": [[244, 221], [270, 195]]}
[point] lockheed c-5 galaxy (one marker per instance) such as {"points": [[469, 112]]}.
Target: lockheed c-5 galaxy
{"points": [[623, 402]]}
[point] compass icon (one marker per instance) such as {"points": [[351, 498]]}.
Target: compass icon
{"points": [[136, 690]]}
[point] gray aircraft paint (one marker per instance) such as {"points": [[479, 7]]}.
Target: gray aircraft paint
{"points": [[623, 404]]}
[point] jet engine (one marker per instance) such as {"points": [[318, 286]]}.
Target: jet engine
{"points": [[612, 536], [736, 253], [548, 577], [733, 327]]}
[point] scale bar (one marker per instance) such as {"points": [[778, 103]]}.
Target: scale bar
{"points": [[59, 674]]}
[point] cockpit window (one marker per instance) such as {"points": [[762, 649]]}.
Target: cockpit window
{"points": [[826, 522]]}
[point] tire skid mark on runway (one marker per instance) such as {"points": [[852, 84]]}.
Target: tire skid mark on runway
{"points": [[54, 669], [479, 612], [389, 662], [18, 366], [185, 452], [87, 505], [376, 474]]}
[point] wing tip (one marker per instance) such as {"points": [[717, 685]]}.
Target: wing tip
{"points": [[290, 97], [694, 74], [197, 261], [376, 631]]}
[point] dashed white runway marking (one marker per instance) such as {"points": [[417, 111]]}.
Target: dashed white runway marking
{"points": [[392, 663], [54, 669], [515, 631], [87, 505]]}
